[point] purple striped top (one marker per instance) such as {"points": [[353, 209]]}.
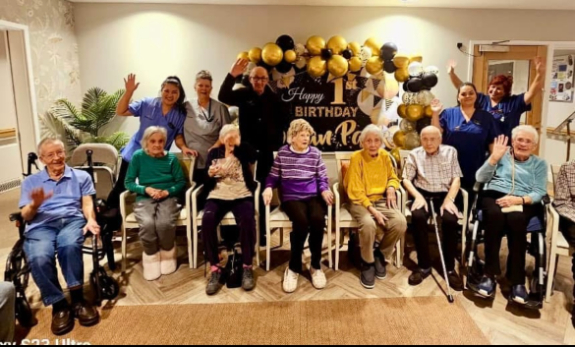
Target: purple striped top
{"points": [[299, 175]]}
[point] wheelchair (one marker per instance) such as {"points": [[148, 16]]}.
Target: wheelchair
{"points": [[536, 248], [18, 270]]}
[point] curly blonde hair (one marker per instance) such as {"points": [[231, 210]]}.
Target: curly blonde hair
{"points": [[298, 126]]}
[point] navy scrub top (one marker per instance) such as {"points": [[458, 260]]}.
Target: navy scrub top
{"points": [[471, 139], [508, 112]]}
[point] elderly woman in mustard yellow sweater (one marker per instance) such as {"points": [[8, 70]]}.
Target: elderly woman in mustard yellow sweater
{"points": [[371, 185]]}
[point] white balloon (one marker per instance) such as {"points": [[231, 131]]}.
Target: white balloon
{"points": [[432, 69], [415, 69], [409, 98], [300, 49], [425, 97], [365, 54]]}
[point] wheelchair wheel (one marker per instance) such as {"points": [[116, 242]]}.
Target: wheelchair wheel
{"points": [[109, 287], [24, 313]]}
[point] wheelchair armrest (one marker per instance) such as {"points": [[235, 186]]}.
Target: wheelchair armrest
{"points": [[477, 187], [546, 200]]}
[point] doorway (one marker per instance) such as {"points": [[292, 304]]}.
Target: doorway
{"points": [[517, 62], [19, 128]]}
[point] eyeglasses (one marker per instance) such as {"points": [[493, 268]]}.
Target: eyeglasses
{"points": [[260, 79], [51, 156]]}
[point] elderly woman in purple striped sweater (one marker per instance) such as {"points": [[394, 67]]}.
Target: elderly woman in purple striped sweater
{"points": [[301, 175]]}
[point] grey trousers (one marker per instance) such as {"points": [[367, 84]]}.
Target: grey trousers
{"points": [[157, 220], [7, 311]]}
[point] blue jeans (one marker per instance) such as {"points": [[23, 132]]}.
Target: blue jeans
{"points": [[66, 237]]}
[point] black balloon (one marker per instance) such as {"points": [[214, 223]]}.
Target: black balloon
{"points": [[405, 87], [388, 51], [284, 67], [422, 124], [239, 79], [347, 54], [415, 85], [430, 80], [265, 66], [389, 66], [285, 42], [326, 54]]}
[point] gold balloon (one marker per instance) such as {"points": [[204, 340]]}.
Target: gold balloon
{"points": [[399, 139], [337, 44], [272, 54], [412, 141], [315, 44], [355, 64], [375, 46], [290, 56], [402, 110], [244, 55], [316, 67], [374, 65], [396, 154], [428, 111], [401, 61], [338, 66], [255, 55], [402, 75], [414, 113], [355, 48], [416, 58]]}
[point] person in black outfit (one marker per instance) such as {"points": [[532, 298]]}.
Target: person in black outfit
{"points": [[262, 118]]}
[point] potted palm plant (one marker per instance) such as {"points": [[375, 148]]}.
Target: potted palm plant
{"points": [[85, 125]]}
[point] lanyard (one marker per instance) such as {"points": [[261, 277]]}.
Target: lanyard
{"points": [[209, 117]]}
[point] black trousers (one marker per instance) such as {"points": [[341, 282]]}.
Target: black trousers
{"points": [[449, 228], [497, 224], [120, 187], [567, 227], [308, 218]]}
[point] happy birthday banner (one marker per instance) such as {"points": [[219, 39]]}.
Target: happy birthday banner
{"points": [[340, 88]]}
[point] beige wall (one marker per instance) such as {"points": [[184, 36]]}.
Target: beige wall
{"points": [[154, 41], [53, 45]]}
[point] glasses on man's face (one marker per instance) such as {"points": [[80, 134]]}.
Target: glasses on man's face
{"points": [[260, 79], [53, 155]]}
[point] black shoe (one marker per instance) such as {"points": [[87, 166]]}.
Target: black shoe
{"points": [[248, 281], [418, 276], [367, 275], [62, 322], [86, 314], [455, 282], [214, 285], [573, 316], [380, 265]]}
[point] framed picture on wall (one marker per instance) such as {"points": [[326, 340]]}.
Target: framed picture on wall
{"points": [[562, 84]]}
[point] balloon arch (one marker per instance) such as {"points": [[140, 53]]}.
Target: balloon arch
{"points": [[337, 57]]}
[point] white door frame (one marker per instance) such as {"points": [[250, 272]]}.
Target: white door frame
{"points": [[551, 47], [9, 26]]}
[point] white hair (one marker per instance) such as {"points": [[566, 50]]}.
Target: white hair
{"points": [[299, 126], [369, 130], [151, 131], [49, 141], [525, 129], [228, 129]]}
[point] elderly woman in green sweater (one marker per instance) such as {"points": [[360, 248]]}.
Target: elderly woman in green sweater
{"points": [[515, 184], [158, 180]]}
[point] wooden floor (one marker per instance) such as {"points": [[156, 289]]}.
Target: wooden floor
{"points": [[501, 323]]}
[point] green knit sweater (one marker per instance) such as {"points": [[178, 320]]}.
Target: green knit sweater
{"points": [[163, 173]]}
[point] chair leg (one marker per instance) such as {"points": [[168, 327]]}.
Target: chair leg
{"points": [[195, 245], [398, 254], [268, 247], [329, 246], [337, 245], [190, 252], [281, 238], [124, 249], [551, 276]]}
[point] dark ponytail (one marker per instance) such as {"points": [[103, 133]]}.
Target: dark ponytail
{"points": [[175, 81]]}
